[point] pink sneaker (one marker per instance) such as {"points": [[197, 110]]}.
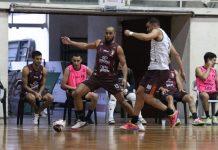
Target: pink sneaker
{"points": [[198, 122], [173, 118], [129, 126]]}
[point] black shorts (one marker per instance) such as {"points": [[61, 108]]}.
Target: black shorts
{"points": [[111, 85], [153, 80], [213, 95]]}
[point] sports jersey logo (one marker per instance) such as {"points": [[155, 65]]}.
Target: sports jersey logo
{"points": [[149, 87], [112, 52]]}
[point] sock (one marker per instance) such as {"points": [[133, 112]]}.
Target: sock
{"points": [[81, 115], [207, 114], [216, 114], [134, 119], [89, 114], [169, 111], [194, 115]]}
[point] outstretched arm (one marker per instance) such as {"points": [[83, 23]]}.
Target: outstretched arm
{"points": [[143, 36], [80, 45]]}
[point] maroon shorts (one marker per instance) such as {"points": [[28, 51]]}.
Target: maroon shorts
{"points": [[213, 95], [177, 95], [44, 92], [111, 85], [153, 80]]}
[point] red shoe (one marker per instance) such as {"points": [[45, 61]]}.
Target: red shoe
{"points": [[129, 126], [173, 118]]}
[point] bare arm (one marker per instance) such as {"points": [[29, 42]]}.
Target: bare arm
{"points": [[204, 75], [179, 82], [80, 45], [178, 60], [122, 60], [143, 36], [89, 71], [44, 77], [64, 84], [25, 73]]}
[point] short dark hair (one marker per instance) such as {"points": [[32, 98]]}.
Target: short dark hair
{"points": [[209, 55], [36, 53], [154, 20]]}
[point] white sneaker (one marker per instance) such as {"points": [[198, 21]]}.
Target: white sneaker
{"points": [[141, 127], [178, 122], [215, 120], [79, 124], [143, 121], [36, 119], [111, 122], [44, 113]]}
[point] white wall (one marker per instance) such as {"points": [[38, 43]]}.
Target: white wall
{"points": [[203, 38], [4, 51]]}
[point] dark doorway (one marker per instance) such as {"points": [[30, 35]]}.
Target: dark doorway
{"points": [[138, 52]]}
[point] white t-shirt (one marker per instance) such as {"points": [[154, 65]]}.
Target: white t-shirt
{"points": [[159, 54]]}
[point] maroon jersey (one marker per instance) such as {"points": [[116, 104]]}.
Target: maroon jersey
{"points": [[171, 82], [106, 60], [35, 77]]}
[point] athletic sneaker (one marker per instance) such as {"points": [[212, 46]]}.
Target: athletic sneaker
{"points": [[36, 119], [173, 118], [89, 121], [140, 126], [208, 121], [143, 121], [215, 120], [178, 122], [197, 122], [79, 124], [44, 113], [129, 126], [111, 122]]}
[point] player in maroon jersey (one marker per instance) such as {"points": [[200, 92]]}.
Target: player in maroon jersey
{"points": [[108, 55], [34, 78]]}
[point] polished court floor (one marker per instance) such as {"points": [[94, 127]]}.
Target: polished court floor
{"points": [[104, 137]]}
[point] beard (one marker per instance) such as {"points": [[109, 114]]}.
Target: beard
{"points": [[108, 42]]}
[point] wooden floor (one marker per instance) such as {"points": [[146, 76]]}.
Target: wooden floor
{"points": [[104, 137]]}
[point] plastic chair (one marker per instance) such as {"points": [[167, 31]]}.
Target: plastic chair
{"points": [[159, 113], [199, 103], [52, 78], [68, 106]]}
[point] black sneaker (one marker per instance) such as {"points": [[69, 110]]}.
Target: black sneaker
{"points": [[89, 121]]}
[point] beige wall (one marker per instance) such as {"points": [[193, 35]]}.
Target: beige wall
{"points": [[3, 51], [203, 38], [180, 29]]}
